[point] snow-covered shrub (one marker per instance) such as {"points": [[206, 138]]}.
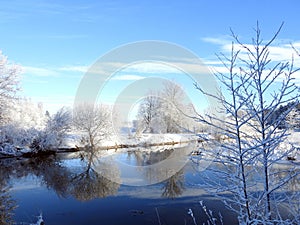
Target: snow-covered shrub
{"points": [[54, 133], [25, 122], [41, 137], [7, 149], [17, 136]]}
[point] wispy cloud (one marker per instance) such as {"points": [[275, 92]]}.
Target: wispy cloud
{"points": [[75, 11], [39, 71], [152, 68], [281, 51], [54, 36], [127, 77], [222, 40], [82, 69]]}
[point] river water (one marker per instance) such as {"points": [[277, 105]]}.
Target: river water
{"points": [[130, 186]]}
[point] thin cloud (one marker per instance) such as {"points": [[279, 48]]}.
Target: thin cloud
{"points": [[75, 12], [39, 71], [127, 77], [281, 51], [152, 68], [223, 40], [82, 69], [54, 36], [136, 71]]}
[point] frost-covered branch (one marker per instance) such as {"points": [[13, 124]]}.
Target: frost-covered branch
{"points": [[252, 127]]}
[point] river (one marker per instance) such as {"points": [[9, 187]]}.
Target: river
{"points": [[130, 186]]}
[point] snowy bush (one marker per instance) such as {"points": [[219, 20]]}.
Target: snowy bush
{"points": [[23, 124], [54, 133], [7, 149], [39, 138], [17, 136]]}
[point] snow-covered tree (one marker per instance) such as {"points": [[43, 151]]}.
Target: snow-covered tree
{"points": [[26, 114], [55, 131], [166, 111], [30, 129], [293, 118], [24, 123], [172, 103], [9, 85], [148, 112], [252, 147], [93, 121]]}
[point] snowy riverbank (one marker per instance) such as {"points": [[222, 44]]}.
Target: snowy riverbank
{"points": [[73, 143], [142, 140]]}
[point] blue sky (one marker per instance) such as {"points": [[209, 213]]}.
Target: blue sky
{"points": [[56, 41]]}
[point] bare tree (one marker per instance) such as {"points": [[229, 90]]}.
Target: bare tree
{"points": [[252, 147], [93, 121]]}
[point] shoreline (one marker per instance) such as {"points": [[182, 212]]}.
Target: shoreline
{"points": [[166, 140]]}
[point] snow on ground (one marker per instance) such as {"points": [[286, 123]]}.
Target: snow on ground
{"points": [[130, 140], [147, 140], [73, 140], [286, 153], [292, 142], [294, 138]]}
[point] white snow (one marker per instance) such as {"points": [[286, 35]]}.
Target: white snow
{"points": [[73, 140], [40, 220]]}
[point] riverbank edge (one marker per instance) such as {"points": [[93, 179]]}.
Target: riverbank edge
{"points": [[75, 148]]}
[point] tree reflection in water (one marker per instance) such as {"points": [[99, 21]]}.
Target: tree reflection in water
{"points": [[7, 204], [174, 186], [93, 182], [84, 185], [173, 180], [149, 157]]}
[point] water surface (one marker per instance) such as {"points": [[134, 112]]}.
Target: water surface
{"points": [[126, 187]]}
